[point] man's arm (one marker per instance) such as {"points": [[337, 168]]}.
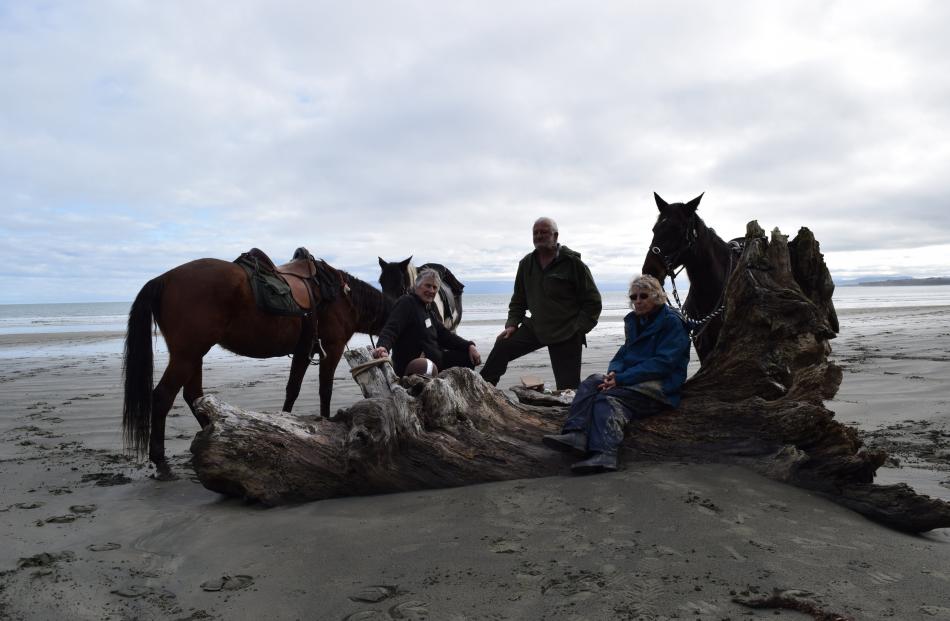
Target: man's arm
{"points": [[590, 301], [447, 339], [451, 341], [518, 305], [398, 318]]}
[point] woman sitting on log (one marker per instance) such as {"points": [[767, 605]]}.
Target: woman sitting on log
{"points": [[643, 379], [414, 331]]}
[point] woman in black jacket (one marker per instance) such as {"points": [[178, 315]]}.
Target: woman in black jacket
{"points": [[414, 331]]}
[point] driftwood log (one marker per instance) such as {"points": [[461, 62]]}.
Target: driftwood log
{"points": [[758, 401]]}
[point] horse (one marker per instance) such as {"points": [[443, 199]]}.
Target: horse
{"points": [[682, 240], [398, 277], [209, 301]]}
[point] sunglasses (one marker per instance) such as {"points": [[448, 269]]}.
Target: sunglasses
{"points": [[640, 296]]}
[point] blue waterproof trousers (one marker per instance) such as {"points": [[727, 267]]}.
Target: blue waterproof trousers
{"points": [[603, 415]]}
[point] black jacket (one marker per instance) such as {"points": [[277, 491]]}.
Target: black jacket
{"points": [[562, 297], [407, 336]]}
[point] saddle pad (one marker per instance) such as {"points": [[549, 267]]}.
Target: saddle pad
{"points": [[271, 293]]}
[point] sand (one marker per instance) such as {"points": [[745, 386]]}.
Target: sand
{"points": [[87, 534]]}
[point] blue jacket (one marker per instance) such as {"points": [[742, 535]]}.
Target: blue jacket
{"points": [[654, 356]]}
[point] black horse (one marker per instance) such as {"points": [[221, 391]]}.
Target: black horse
{"points": [[682, 239], [397, 278]]}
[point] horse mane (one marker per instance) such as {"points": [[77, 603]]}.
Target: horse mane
{"points": [[371, 304]]}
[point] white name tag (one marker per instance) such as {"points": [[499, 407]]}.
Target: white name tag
{"points": [[428, 322]]}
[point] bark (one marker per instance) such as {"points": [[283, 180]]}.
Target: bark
{"points": [[419, 433], [758, 401]]}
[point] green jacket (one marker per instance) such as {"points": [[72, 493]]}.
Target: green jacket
{"points": [[562, 298]]}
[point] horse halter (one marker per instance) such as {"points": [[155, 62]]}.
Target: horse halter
{"points": [[672, 261]]}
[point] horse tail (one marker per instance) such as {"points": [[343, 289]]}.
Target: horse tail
{"points": [[137, 368]]}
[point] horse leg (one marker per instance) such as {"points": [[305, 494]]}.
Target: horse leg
{"points": [[334, 351], [298, 368], [176, 375], [191, 393]]}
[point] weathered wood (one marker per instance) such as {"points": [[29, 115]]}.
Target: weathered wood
{"points": [[758, 401], [375, 377], [447, 431], [272, 458]]}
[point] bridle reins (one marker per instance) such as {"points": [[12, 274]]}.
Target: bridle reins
{"points": [[671, 262]]}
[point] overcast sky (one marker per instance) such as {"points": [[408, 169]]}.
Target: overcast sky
{"points": [[136, 135]]}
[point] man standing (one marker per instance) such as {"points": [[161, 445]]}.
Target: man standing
{"points": [[557, 289]]}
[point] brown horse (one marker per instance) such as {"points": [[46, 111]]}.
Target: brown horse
{"points": [[209, 301]]}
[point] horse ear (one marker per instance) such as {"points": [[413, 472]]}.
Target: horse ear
{"points": [[405, 264], [660, 203], [382, 263], [694, 204]]}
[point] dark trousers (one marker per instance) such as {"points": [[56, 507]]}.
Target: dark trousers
{"points": [[565, 357], [455, 358], [603, 415]]}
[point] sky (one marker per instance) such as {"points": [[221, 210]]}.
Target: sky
{"points": [[138, 135]]}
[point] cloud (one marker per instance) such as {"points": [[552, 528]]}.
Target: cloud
{"points": [[138, 136]]}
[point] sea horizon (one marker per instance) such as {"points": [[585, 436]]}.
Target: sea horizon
{"points": [[478, 308]]}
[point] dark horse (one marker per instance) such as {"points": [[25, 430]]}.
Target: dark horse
{"points": [[681, 238], [207, 302], [398, 277]]}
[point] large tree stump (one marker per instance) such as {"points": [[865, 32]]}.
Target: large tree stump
{"points": [[758, 401]]}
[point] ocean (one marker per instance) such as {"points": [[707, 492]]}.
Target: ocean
{"points": [[483, 317]]}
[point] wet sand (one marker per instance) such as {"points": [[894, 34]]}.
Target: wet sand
{"points": [[89, 535]]}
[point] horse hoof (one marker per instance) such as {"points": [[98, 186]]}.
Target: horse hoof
{"points": [[164, 473]]}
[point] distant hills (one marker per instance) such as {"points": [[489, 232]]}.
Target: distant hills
{"points": [[900, 282], [504, 286]]}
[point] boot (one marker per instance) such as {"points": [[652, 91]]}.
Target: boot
{"points": [[571, 442], [598, 462]]}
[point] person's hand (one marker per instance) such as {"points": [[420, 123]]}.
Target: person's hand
{"points": [[507, 332], [473, 354], [379, 352], [610, 381]]}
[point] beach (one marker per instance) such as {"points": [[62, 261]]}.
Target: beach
{"points": [[88, 534]]}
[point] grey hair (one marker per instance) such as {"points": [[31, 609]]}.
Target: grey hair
{"points": [[651, 285], [428, 274], [551, 223]]}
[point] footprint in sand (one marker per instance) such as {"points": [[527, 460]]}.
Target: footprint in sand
{"points": [[61, 519], [880, 577], [503, 546], [367, 615], [45, 559], [228, 583], [106, 479], [410, 610], [374, 593], [132, 591], [29, 505], [83, 508], [103, 547], [941, 612]]}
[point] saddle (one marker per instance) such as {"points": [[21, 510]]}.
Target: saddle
{"points": [[285, 289]]}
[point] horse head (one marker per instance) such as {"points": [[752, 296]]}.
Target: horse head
{"points": [[395, 277], [674, 234]]}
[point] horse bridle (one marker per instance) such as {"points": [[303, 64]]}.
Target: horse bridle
{"points": [[695, 326], [672, 260]]}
